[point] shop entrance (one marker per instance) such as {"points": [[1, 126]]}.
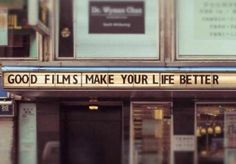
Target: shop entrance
{"points": [[91, 136], [151, 133]]}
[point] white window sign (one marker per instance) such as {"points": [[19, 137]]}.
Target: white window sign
{"points": [[206, 28], [116, 29], [183, 143]]}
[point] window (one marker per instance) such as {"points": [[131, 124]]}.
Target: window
{"points": [[109, 29], [19, 35], [216, 133], [206, 29]]}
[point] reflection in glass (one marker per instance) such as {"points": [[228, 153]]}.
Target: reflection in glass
{"points": [[215, 133], [132, 31], [151, 134], [17, 38]]}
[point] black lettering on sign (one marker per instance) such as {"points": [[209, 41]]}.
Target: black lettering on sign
{"points": [[111, 79], [199, 79], [99, 79], [33, 79], [63, 79], [10, 79], [155, 79], [46, 78], [215, 79], [22, 79], [144, 79], [182, 79], [207, 79], [88, 79], [134, 79], [75, 80], [167, 79], [188, 79], [123, 78]]}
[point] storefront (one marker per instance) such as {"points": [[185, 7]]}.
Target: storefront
{"points": [[125, 115], [110, 81]]}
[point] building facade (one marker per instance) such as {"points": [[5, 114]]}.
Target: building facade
{"points": [[121, 82]]}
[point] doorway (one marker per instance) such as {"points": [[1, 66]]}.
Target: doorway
{"points": [[91, 136], [150, 133]]}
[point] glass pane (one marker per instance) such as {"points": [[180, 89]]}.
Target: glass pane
{"points": [[66, 37], [151, 134], [18, 39], [206, 28], [116, 29], [216, 133]]}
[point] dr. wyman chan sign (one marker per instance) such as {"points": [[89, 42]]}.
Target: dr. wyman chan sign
{"points": [[118, 80]]}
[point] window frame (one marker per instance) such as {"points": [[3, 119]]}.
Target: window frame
{"points": [[160, 47], [175, 43], [40, 31]]}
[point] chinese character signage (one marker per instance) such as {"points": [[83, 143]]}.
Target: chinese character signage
{"points": [[6, 109], [215, 19], [116, 17], [206, 28]]}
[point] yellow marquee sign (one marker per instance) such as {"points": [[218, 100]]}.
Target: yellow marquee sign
{"points": [[157, 80]]}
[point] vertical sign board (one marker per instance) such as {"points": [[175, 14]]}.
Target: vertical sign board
{"points": [[3, 27], [27, 134]]}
